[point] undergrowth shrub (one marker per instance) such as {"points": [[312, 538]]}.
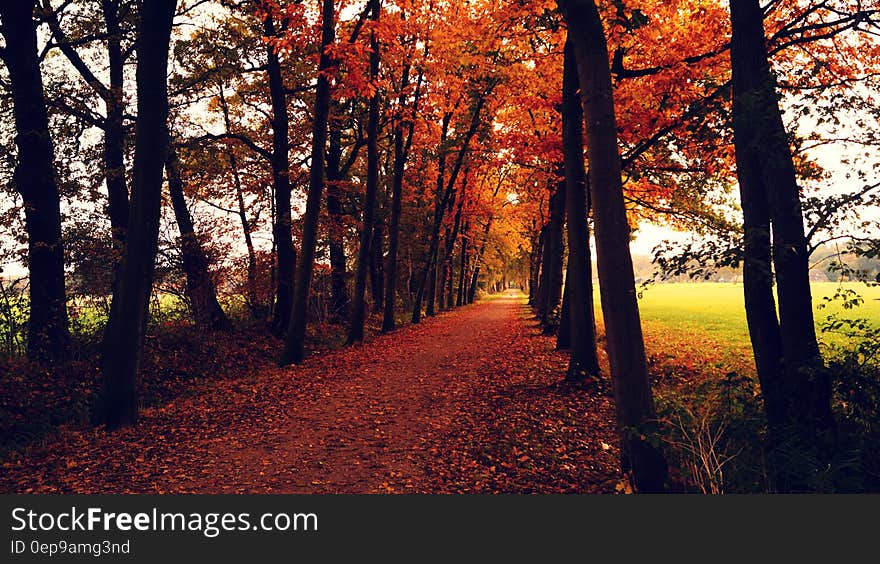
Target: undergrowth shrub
{"points": [[713, 435], [853, 358], [715, 431]]}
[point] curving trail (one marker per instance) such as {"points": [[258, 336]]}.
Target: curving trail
{"points": [[469, 401]]}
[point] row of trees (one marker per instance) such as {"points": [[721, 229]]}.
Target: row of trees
{"points": [[418, 150], [795, 383]]}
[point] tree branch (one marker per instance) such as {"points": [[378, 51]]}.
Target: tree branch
{"points": [[51, 18], [243, 139]]}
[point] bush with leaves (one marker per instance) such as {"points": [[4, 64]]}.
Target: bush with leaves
{"points": [[713, 435], [853, 356]]}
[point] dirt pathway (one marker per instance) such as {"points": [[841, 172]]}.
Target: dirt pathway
{"points": [[468, 401]]}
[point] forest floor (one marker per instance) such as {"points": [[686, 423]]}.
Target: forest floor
{"points": [[470, 401]]}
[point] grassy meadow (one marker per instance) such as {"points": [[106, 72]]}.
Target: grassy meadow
{"points": [[684, 319], [717, 309]]}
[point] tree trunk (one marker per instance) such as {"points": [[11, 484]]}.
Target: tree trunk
{"points": [[34, 179], [577, 329], [286, 256], [463, 267], [535, 267], [114, 102], [626, 351], [388, 321], [563, 334], [475, 277], [399, 168], [124, 336], [253, 302], [434, 247], [786, 350], [403, 137], [338, 288], [200, 289], [358, 310], [294, 343], [543, 282], [114, 132], [430, 305], [258, 310], [451, 238], [433, 255], [555, 252], [377, 269]]}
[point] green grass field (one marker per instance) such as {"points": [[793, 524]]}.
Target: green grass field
{"points": [[717, 311]]}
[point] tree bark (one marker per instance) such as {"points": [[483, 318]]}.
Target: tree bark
{"points": [[543, 278], [294, 343], [339, 300], [626, 351], [403, 137], [448, 255], [377, 268], [430, 304], [463, 266], [536, 261], [359, 306], [114, 102], [399, 168], [795, 385], [285, 253], [206, 311], [475, 277], [441, 207], [563, 334], [258, 310], [124, 336], [34, 179], [114, 132], [580, 328], [555, 251], [397, 176]]}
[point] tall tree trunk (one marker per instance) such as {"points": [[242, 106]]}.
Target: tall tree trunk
{"points": [[403, 137], [399, 167], [114, 102], [555, 252], [253, 302], [536, 260], [577, 330], [563, 334], [34, 179], [359, 306], [444, 273], [286, 255], [430, 304], [463, 266], [626, 351], [377, 268], [787, 350], [124, 336], [200, 289], [398, 171], [475, 277], [451, 238], [294, 343], [543, 279], [258, 310], [338, 288], [114, 132], [434, 247], [439, 195]]}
